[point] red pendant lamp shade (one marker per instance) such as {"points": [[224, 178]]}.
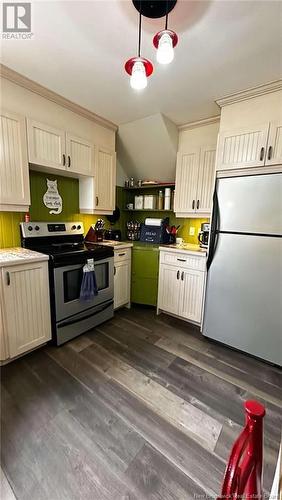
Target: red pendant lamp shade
{"points": [[147, 64], [172, 35]]}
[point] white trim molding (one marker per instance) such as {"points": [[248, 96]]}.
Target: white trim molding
{"points": [[250, 93], [199, 123], [35, 87]]}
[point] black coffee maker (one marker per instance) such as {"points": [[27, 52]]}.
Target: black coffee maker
{"points": [[203, 235]]}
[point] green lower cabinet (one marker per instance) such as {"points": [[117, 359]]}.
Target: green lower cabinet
{"points": [[145, 270]]}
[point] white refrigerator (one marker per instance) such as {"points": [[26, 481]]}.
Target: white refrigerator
{"points": [[243, 302]]}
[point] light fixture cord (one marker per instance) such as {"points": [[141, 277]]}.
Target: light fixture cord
{"points": [[166, 17], [139, 38]]}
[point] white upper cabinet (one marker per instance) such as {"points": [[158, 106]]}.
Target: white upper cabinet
{"points": [[80, 155], [57, 150], [195, 174], [250, 135], [46, 145], [14, 178], [97, 194], [274, 149], [187, 172], [206, 180], [242, 148], [105, 179]]}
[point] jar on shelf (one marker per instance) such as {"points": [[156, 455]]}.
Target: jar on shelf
{"points": [[131, 182]]}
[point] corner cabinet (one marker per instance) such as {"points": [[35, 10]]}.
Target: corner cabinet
{"points": [[181, 284], [14, 176], [195, 176], [97, 194], [122, 277], [57, 150], [25, 307]]}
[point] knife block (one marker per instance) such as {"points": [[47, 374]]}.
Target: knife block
{"points": [[94, 235]]}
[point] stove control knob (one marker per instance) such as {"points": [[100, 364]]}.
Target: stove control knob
{"points": [[79, 227], [37, 228], [30, 228], [73, 228]]}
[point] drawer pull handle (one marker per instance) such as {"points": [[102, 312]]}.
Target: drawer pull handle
{"points": [[269, 156], [97, 201], [64, 159], [181, 260], [178, 274], [261, 154], [182, 276], [8, 279], [198, 204], [193, 204], [121, 254], [69, 161], [115, 270]]}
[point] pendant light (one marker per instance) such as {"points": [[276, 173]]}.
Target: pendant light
{"points": [[138, 67], [165, 41]]}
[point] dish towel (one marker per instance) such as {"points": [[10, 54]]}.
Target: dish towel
{"points": [[88, 289]]}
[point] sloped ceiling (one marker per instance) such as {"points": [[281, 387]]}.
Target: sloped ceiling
{"points": [[146, 148]]}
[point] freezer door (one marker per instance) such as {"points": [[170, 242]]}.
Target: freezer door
{"points": [[251, 204], [243, 306]]}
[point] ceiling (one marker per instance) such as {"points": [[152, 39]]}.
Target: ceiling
{"points": [[79, 49]]}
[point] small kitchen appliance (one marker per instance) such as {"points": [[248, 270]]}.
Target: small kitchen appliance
{"points": [[203, 235], [112, 234], [68, 254]]}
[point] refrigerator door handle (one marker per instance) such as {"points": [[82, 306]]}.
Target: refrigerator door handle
{"points": [[214, 230]]}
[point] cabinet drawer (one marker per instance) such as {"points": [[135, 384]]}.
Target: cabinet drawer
{"points": [[121, 255], [184, 260]]}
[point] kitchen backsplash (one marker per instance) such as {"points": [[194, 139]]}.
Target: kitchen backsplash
{"points": [[69, 191]]}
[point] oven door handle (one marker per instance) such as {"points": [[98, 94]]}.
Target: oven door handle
{"points": [[73, 321]]}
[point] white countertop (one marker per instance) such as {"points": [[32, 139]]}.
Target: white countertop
{"points": [[185, 248], [18, 255], [119, 245]]}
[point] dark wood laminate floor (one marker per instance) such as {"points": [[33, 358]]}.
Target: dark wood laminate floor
{"points": [[142, 407]]}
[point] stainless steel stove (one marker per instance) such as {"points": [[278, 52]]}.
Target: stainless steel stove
{"points": [[64, 243]]}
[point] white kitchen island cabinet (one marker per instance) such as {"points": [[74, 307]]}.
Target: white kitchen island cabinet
{"points": [[25, 304], [182, 275]]}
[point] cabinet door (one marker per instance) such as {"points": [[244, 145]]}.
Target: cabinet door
{"points": [[206, 180], [27, 310], [274, 146], [46, 145], [14, 176], [191, 294], [122, 283], [242, 148], [80, 155], [169, 289], [105, 180], [187, 169]]}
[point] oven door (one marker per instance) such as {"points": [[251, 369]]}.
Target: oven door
{"points": [[67, 284]]}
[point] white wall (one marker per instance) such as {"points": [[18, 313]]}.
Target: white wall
{"points": [[198, 136], [146, 148]]}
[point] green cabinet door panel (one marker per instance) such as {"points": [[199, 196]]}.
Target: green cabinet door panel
{"points": [[145, 268]]}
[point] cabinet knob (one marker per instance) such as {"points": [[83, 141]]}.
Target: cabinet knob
{"points": [[261, 157]]}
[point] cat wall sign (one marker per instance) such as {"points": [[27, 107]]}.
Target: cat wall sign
{"points": [[52, 198]]}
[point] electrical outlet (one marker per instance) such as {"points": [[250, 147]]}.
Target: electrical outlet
{"points": [[191, 231]]}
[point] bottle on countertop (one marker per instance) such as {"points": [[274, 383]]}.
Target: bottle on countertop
{"points": [[161, 200], [27, 217]]}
